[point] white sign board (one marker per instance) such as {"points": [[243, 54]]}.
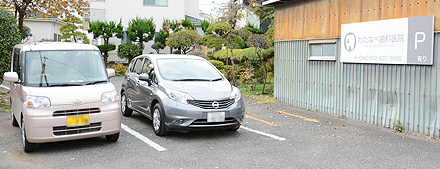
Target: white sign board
{"points": [[394, 41]]}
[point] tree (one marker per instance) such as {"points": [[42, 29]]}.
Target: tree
{"points": [[187, 24], [218, 37], [231, 14], [141, 30], [70, 31], [183, 40], [130, 50], [106, 30], [44, 8], [26, 34], [205, 25], [270, 35], [259, 42], [215, 37], [251, 28], [244, 34], [9, 37], [157, 46], [160, 40], [170, 27]]}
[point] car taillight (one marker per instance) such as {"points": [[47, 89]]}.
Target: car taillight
{"points": [[125, 73]]}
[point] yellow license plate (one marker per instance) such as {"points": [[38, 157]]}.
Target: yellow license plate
{"points": [[78, 120]]}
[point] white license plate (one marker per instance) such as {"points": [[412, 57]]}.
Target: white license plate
{"points": [[216, 117]]}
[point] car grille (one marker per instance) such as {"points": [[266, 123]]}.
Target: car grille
{"points": [[64, 130], [203, 122], [222, 104], [76, 112]]}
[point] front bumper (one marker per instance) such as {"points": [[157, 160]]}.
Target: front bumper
{"points": [[42, 126], [184, 117]]}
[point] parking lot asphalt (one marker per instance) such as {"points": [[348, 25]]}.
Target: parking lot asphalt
{"points": [[274, 135]]}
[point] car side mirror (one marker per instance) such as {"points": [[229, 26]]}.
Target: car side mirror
{"points": [[10, 77], [145, 77], [111, 73]]}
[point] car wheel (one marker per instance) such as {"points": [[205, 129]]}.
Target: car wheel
{"points": [[235, 128], [158, 121], [112, 138], [27, 147], [124, 107]]}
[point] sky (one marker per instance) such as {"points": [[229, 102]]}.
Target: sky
{"points": [[208, 6]]}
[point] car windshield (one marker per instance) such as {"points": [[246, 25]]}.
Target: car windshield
{"points": [[187, 70], [64, 68]]}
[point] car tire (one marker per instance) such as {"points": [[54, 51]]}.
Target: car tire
{"points": [[125, 110], [159, 121], [235, 128], [27, 147], [112, 138]]}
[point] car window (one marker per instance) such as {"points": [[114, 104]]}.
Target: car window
{"points": [[138, 66], [153, 76], [131, 66], [187, 70], [16, 66], [147, 67]]}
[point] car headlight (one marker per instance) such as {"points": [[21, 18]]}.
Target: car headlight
{"points": [[37, 101], [235, 94], [108, 97], [179, 96]]}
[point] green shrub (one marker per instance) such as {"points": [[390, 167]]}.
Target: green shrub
{"points": [[9, 37], [218, 64], [249, 53], [119, 68], [243, 54], [221, 54]]}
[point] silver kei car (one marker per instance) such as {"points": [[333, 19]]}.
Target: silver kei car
{"points": [[181, 93]]}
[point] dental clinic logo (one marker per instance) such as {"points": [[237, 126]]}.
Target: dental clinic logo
{"points": [[350, 42]]}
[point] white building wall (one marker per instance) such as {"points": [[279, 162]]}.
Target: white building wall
{"points": [[43, 28]]}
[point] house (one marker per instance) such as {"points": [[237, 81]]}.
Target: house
{"points": [[249, 16], [116, 10], [44, 29], [370, 60]]}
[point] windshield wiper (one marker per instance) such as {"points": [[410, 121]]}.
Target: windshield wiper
{"points": [[218, 79], [64, 84], [191, 80], [96, 82]]}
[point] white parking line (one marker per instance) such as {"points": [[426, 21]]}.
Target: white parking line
{"points": [[263, 133], [143, 138]]}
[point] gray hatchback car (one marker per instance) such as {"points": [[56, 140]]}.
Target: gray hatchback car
{"points": [[181, 93]]}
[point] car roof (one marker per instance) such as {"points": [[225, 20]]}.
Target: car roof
{"points": [[154, 57], [55, 46]]}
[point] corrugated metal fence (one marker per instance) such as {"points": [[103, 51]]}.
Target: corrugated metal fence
{"points": [[379, 94]]}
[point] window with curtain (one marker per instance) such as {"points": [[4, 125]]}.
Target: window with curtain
{"points": [[156, 2]]}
